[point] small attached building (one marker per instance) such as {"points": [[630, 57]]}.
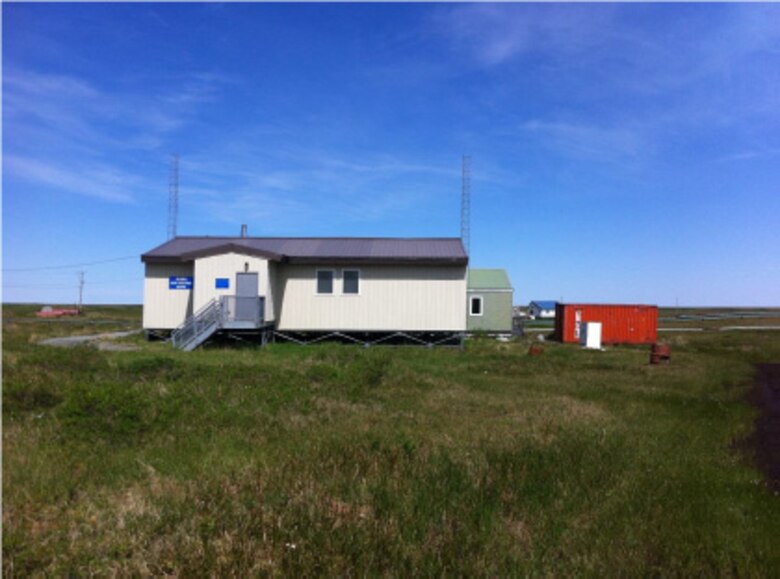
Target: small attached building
{"points": [[489, 301]]}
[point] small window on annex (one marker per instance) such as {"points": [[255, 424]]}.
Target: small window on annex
{"points": [[475, 306], [351, 281], [324, 281]]}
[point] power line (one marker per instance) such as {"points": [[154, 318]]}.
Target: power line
{"points": [[70, 266], [69, 285], [51, 274], [39, 286]]}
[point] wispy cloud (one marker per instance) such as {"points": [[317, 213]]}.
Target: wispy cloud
{"points": [[303, 189], [760, 153], [97, 181], [495, 33], [32, 83], [70, 134], [624, 82], [81, 110], [269, 210], [586, 140]]}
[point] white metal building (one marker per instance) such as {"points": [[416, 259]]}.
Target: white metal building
{"points": [[368, 285]]}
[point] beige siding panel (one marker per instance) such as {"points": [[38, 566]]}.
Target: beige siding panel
{"points": [[411, 298], [165, 309], [275, 287], [208, 269]]}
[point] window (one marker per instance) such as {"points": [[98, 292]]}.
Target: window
{"points": [[475, 306], [351, 281], [324, 281]]}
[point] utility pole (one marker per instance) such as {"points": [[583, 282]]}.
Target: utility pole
{"points": [[81, 290], [173, 196], [465, 204]]}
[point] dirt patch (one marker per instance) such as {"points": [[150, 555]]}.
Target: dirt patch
{"points": [[115, 347], [765, 440], [71, 341]]}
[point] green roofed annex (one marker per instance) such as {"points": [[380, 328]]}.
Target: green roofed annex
{"points": [[489, 301]]}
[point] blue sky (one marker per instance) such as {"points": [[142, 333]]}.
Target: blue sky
{"points": [[625, 153]]}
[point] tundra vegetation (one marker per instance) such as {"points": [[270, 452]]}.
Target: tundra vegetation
{"points": [[340, 460]]}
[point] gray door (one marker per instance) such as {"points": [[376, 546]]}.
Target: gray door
{"points": [[246, 296]]}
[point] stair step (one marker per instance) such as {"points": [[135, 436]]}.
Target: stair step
{"points": [[199, 338]]}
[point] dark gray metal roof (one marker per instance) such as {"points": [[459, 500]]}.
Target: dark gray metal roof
{"points": [[448, 250]]}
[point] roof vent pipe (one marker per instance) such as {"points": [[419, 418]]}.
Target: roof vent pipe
{"points": [[243, 230]]}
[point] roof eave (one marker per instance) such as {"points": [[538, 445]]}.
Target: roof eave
{"points": [[209, 252], [192, 256], [378, 260], [145, 258]]}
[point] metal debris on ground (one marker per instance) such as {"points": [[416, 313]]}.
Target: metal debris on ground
{"points": [[660, 353], [49, 312]]}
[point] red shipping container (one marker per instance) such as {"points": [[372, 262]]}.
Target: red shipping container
{"points": [[621, 324]]}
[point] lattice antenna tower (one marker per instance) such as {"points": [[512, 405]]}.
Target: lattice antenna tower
{"points": [[173, 196], [465, 204], [81, 291]]}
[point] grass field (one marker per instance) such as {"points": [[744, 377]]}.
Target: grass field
{"points": [[340, 460]]}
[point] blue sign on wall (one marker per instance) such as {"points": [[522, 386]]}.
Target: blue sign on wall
{"points": [[180, 282], [222, 283]]}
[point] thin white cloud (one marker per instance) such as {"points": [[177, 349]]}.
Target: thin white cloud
{"points": [[33, 83], [495, 33], [113, 116], [749, 155], [584, 140], [306, 211], [70, 134], [96, 181], [304, 189], [627, 90], [274, 212], [381, 164]]}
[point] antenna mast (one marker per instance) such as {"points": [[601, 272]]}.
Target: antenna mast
{"points": [[81, 290], [465, 204], [173, 196]]}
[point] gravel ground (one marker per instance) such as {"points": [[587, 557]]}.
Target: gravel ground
{"points": [[70, 341]]}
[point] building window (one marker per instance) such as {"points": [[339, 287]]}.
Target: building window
{"points": [[351, 281], [475, 306], [324, 281]]}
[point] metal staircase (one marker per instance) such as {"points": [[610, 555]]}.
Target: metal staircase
{"points": [[227, 313], [198, 327]]}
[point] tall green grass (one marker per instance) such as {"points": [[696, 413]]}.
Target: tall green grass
{"points": [[341, 460]]}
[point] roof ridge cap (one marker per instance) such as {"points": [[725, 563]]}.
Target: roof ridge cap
{"points": [[341, 237]]}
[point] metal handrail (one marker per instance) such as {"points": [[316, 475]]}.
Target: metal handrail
{"points": [[217, 314], [230, 309], [205, 317], [202, 310]]}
